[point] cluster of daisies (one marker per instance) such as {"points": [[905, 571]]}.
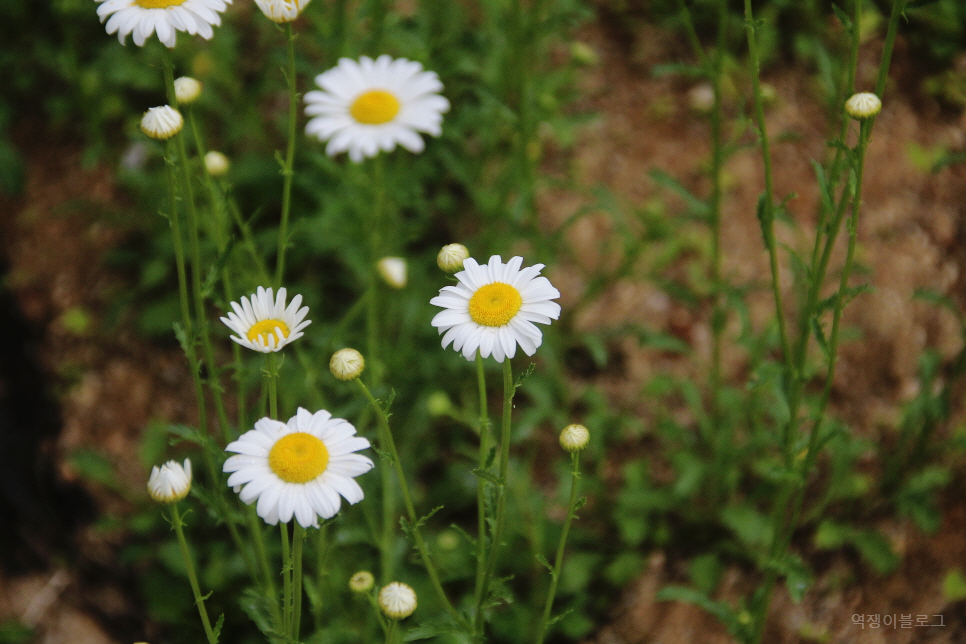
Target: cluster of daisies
{"points": [[303, 468]]}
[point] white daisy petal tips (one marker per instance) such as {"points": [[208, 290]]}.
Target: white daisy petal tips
{"points": [[171, 482], [141, 18], [370, 106], [493, 308], [397, 600], [298, 470], [282, 11], [263, 322], [161, 123]]}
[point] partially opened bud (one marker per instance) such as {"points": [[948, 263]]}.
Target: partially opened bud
{"points": [[187, 90], [347, 364], [450, 258], [574, 438], [171, 482], [863, 105], [393, 271], [216, 163], [161, 123], [397, 600]]}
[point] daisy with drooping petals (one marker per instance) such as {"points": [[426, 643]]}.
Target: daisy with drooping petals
{"points": [[141, 18], [298, 469], [263, 323], [493, 308], [372, 105]]}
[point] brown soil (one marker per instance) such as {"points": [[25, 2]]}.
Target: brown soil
{"points": [[56, 239]]}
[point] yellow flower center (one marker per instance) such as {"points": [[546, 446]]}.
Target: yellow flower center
{"points": [[265, 328], [375, 107], [298, 458], [158, 4], [495, 304]]}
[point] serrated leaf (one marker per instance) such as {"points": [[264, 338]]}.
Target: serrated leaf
{"points": [[486, 475], [216, 631], [544, 562], [721, 610], [215, 270], [554, 620], [434, 627], [843, 18]]}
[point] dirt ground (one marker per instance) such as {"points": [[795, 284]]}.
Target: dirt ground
{"points": [[911, 232]]}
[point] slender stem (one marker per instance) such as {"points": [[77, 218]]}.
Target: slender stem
{"points": [[508, 391], [768, 214], [189, 565], [321, 554], [265, 569], [558, 560], [386, 440], [297, 541], [288, 168], [271, 372], [286, 581], [481, 481]]}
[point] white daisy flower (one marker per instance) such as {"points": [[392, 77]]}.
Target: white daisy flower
{"points": [[372, 105], [493, 308], [298, 469], [164, 17], [171, 482], [282, 11], [263, 323]]}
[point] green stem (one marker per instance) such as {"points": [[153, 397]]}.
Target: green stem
{"points": [[267, 577], [288, 167], [558, 560], [192, 575], [481, 481], [297, 541], [386, 440], [286, 581], [508, 391]]}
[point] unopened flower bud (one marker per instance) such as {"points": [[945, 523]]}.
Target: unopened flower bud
{"points": [[361, 582], [216, 163], [161, 123], [574, 438], [282, 11], [450, 258], [347, 364], [393, 271], [171, 482], [397, 600], [863, 105], [187, 90]]}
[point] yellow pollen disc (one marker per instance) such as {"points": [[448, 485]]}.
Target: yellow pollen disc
{"points": [[495, 304], [298, 458], [266, 328], [375, 107], [158, 4]]}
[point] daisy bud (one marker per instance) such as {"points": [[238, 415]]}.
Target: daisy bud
{"points": [[361, 582], [171, 482], [187, 90], [397, 600], [216, 163], [282, 11], [450, 258], [393, 271], [574, 438], [161, 123], [347, 364], [863, 105]]}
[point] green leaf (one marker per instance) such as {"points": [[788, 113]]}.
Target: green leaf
{"points": [[434, 627], [696, 207], [752, 528], [875, 549], [721, 610], [954, 586]]}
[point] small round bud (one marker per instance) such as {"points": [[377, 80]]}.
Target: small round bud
{"points": [[187, 89], [450, 258], [361, 582], [282, 11], [393, 271], [171, 482], [574, 438], [216, 163], [863, 105], [583, 54], [161, 123], [347, 364], [439, 404], [701, 98], [397, 600]]}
